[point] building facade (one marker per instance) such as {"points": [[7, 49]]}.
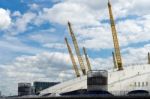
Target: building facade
{"points": [[43, 85], [25, 89]]}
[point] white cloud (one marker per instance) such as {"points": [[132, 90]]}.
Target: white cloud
{"points": [[34, 6], [44, 36], [85, 15], [5, 19], [16, 13], [95, 38], [14, 44], [135, 56], [141, 7], [21, 24], [69, 11], [55, 46], [134, 31]]}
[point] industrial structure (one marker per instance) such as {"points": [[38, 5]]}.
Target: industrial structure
{"points": [[25, 89], [120, 80], [114, 60], [87, 59], [115, 39], [72, 59], [148, 58], [77, 49], [39, 86]]}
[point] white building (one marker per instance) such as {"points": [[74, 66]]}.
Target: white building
{"points": [[134, 77]]}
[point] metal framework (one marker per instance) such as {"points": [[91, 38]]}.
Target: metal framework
{"points": [[77, 49], [148, 58], [87, 59], [114, 60], [115, 39], [72, 59]]}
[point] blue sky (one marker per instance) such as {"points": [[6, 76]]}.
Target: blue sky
{"points": [[32, 46]]}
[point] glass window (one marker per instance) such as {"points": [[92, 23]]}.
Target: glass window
{"points": [[146, 83], [135, 84], [97, 81], [138, 83]]}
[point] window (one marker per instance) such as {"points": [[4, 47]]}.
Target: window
{"points": [[142, 83], [97, 81], [146, 83], [135, 84], [139, 84]]}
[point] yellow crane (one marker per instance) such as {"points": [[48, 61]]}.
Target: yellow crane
{"points": [[87, 60], [114, 60], [72, 58], [77, 50], [148, 58], [115, 39]]}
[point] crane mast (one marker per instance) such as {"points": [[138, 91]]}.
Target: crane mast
{"points": [[115, 39], [87, 60], [114, 60], [72, 58], [148, 58], [77, 50]]}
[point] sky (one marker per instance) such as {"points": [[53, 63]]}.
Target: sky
{"points": [[32, 33]]}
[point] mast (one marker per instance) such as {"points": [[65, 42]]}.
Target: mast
{"points": [[77, 49], [148, 58], [87, 60], [114, 60], [115, 39], [72, 58]]}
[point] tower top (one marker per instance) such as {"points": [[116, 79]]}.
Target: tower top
{"points": [[109, 4]]}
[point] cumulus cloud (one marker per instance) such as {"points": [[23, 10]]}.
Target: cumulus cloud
{"points": [[87, 16], [14, 44], [21, 24], [44, 36], [69, 11], [16, 14], [136, 55], [55, 45], [34, 6], [5, 18]]}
